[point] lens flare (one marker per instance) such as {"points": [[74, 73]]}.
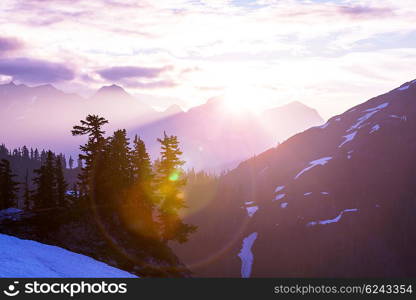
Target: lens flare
{"points": [[174, 176]]}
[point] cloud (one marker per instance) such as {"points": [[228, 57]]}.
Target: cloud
{"points": [[159, 84], [117, 73], [8, 44], [364, 11], [35, 71]]}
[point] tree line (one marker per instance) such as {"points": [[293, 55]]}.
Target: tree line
{"points": [[18, 187], [117, 182]]}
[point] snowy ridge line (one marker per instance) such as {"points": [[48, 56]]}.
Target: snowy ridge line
{"points": [[405, 87]]}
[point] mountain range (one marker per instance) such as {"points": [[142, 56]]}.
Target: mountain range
{"points": [[211, 137], [336, 200]]}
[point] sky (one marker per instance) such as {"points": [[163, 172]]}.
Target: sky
{"points": [[330, 55]]}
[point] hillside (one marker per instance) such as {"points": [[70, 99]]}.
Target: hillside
{"points": [[337, 200], [25, 258]]}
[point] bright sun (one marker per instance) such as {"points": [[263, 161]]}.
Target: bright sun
{"points": [[241, 100]]}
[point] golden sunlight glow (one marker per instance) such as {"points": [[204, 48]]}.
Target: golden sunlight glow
{"points": [[243, 99], [174, 176]]}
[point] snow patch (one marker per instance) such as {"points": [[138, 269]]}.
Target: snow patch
{"points": [[25, 258], [369, 114], [334, 220], [251, 210], [283, 205], [307, 194], [324, 193], [349, 154], [377, 108], [375, 128], [246, 255], [279, 188], [322, 161], [348, 138], [403, 118], [279, 196], [404, 87]]}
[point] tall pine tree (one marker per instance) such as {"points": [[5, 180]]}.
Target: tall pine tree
{"points": [[26, 192], [61, 185], [92, 150], [116, 170], [45, 194], [142, 196], [170, 182], [8, 187]]}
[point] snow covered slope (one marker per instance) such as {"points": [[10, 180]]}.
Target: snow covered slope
{"points": [[24, 258]]}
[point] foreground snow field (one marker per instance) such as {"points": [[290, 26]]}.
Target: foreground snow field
{"points": [[25, 258]]}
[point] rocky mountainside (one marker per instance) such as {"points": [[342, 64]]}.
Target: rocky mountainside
{"points": [[337, 200]]}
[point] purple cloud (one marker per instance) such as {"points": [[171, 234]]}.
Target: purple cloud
{"points": [[9, 44], [364, 11], [34, 70], [118, 73]]}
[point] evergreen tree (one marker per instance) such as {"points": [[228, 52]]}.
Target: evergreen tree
{"points": [[4, 152], [170, 182], [92, 150], [63, 160], [26, 191], [25, 153], [142, 189], [71, 163], [119, 154], [79, 163], [61, 185], [141, 164], [45, 194], [43, 157], [115, 172], [8, 187], [36, 155]]}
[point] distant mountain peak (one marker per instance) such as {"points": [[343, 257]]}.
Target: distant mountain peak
{"points": [[111, 88], [47, 88], [173, 109], [112, 91]]}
